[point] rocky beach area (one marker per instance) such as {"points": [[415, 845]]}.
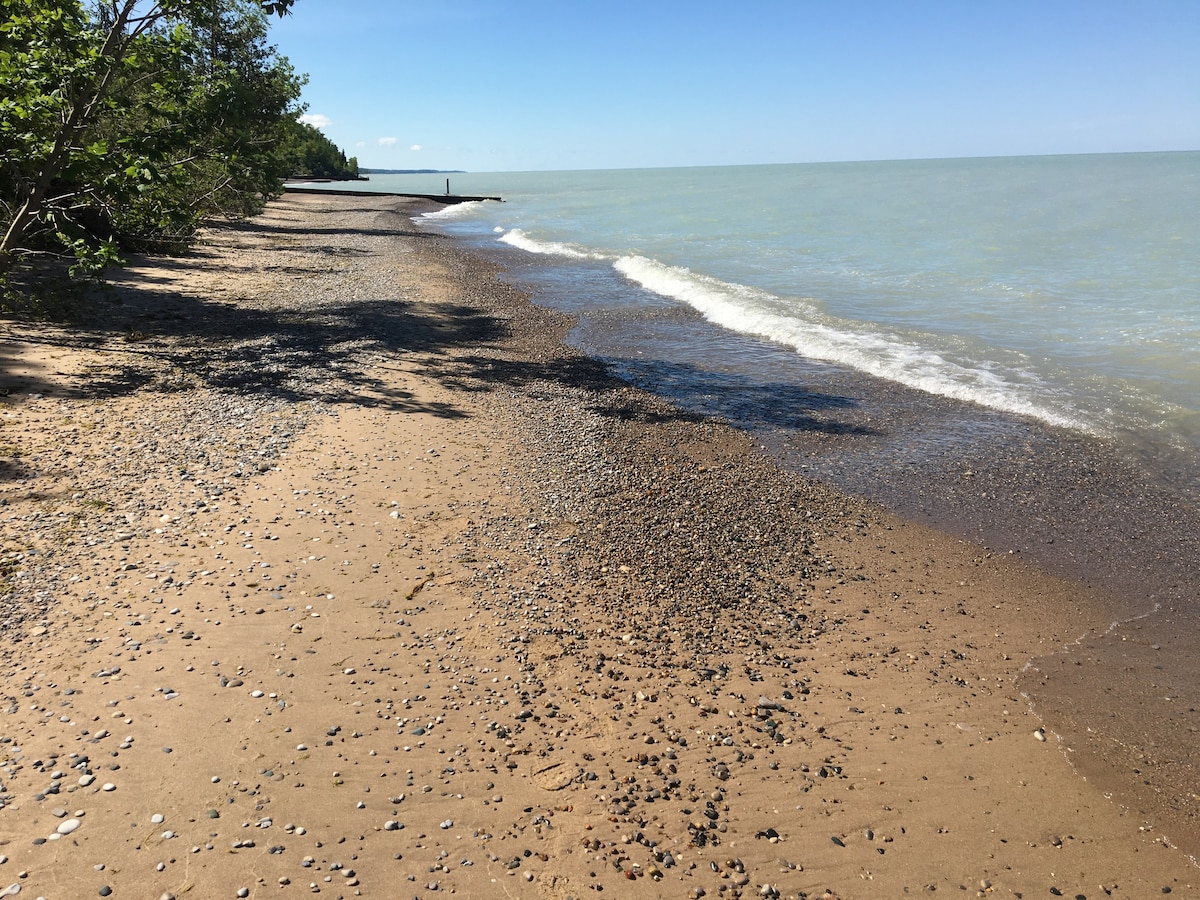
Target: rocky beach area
{"points": [[329, 569]]}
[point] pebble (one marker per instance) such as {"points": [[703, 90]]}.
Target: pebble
{"points": [[68, 826], [730, 579]]}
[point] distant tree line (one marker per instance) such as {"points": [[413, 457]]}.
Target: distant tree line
{"points": [[127, 124], [310, 154]]}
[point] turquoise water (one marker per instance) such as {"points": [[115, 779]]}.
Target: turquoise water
{"points": [[1064, 288]]}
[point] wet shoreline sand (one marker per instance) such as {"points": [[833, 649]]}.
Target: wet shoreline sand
{"points": [[326, 551]]}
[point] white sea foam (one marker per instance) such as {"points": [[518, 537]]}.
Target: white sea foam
{"points": [[452, 211], [515, 237], [803, 327]]}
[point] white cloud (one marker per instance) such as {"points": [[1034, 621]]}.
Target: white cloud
{"points": [[316, 120], [415, 147], [387, 141]]}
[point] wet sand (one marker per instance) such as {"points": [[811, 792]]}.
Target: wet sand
{"points": [[333, 571]]}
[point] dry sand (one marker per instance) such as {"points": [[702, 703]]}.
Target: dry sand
{"points": [[331, 571]]}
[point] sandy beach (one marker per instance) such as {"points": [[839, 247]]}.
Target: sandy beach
{"points": [[330, 570]]}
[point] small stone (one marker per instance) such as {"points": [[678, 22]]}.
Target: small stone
{"points": [[68, 826]]}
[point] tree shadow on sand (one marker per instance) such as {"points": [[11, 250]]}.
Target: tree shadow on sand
{"points": [[350, 352], [159, 332]]}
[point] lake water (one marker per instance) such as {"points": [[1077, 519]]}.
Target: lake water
{"points": [[1065, 288]]}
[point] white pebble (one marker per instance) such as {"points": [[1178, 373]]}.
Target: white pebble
{"points": [[68, 826], [157, 818], [108, 786]]}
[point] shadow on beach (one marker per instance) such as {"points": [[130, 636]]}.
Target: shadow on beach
{"points": [[303, 328]]}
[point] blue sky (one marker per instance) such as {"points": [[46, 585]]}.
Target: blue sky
{"points": [[525, 85]]}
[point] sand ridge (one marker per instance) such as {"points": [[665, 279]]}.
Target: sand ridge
{"points": [[333, 572]]}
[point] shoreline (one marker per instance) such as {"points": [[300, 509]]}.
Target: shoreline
{"points": [[1123, 691], [551, 620]]}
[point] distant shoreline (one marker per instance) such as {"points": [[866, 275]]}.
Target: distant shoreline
{"points": [[413, 171]]}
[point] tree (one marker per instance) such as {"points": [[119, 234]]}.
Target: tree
{"points": [[308, 153], [96, 107]]}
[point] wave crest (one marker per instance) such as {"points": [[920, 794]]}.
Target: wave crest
{"points": [[803, 327], [515, 237]]}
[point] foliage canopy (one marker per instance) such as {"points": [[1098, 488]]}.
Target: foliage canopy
{"points": [[309, 153], [124, 124]]}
